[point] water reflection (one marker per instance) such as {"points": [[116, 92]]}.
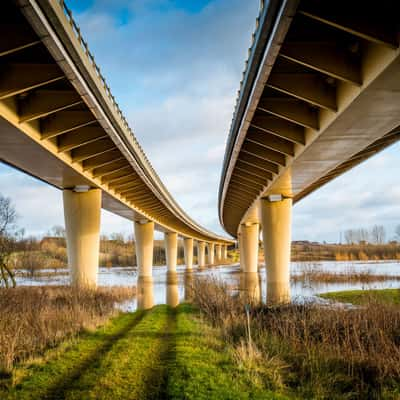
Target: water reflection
{"points": [[145, 293], [250, 286], [171, 289], [188, 285], [172, 298]]}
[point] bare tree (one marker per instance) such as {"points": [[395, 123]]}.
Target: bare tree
{"points": [[397, 231], [349, 236], [57, 231], [378, 234], [363, 235], [8, 240]]}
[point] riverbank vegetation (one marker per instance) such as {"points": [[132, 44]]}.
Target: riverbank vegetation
{"points": [[313, 273], [314, 251], [309, 351], [362, 297], [36, 318], [161, 353]]}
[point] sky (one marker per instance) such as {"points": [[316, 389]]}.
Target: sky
{"points": [[174, 67]]}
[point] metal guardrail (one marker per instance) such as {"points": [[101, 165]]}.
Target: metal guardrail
{"points": [[246, 63]]}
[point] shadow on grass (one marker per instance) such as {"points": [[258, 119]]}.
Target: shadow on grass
{"points": [[59, 390], [157, 380]]}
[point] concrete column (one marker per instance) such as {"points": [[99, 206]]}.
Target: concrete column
{"points": [[249, 284], [211, 252], [144, 240], [171, 250], [82, 225], [240, 245], [276, 219], [201, 254], [225, 252], [218, 253], [172, 289], [249, 247], [188, 252], [145, 295]]}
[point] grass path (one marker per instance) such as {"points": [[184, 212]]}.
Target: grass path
{"points": [[388, 296], [162, 353]]}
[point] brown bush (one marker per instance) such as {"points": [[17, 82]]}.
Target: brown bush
{"points": [[330, 352], [35, 318]]}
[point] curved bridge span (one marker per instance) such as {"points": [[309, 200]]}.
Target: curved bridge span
{"points": [[60, 123], [320, 94]]}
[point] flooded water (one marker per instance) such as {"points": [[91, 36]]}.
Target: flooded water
{"points": [[170, 288]]}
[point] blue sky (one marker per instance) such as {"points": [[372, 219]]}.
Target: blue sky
{"points": [[174, 68]]}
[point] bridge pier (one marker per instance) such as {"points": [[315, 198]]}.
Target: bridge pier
{"points": [[218, 253], [276, 219], [145, 294], [188, 253], [171, 250], [225, 252], [172, 289], [250, 285], [210, 254], [82, 224], [144, 240], [249, 247], [201, 254]]}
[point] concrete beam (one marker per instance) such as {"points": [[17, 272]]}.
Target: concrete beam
{"points": [[259, 163], [279, 126], [102, 160], [264, 153], [328, 58], [42, 103], [19, 37], [292, 110], [92, 149], [65, 121], [20, 78], [270, 141], [83, 136], [82, 224], [305, 86]]}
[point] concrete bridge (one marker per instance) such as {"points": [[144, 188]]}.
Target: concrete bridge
{"points": [[320, 94], [60, 123]]}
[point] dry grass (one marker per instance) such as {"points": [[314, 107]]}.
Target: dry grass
{"points": [[35, 318], [329, 352], [313, 273]]}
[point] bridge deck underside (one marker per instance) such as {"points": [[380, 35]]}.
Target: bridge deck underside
{"points": [[326, 97]]}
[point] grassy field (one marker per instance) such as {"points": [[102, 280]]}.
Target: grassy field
{"points": [[162, 353], [386, 296]]}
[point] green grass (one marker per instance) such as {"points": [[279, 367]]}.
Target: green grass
{"points": [[203, 367], [162, 353], [387, 296]]}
